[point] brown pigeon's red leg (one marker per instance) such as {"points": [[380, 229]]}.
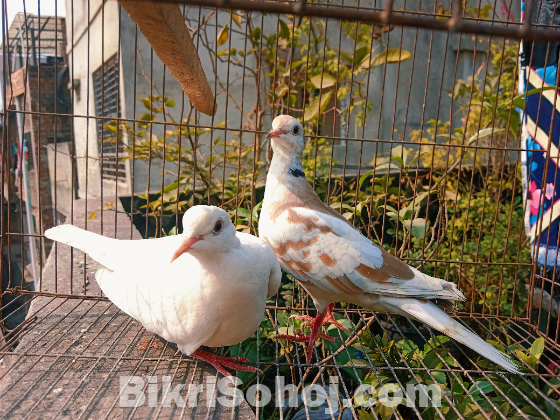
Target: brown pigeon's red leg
{"points": [[220, 361], [315, 333], [328, 318]]}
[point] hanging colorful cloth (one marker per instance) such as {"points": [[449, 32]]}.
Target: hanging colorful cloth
{"points": [[541, 175]]}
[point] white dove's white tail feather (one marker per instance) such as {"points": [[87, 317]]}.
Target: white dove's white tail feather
{"points": [[430, 314], [96, 246]]}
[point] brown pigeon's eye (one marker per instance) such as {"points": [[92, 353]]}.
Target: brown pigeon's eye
{"points": [[218, 226]]}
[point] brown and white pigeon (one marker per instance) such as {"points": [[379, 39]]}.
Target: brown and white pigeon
{"points": [[207, 286], [334, 262]]}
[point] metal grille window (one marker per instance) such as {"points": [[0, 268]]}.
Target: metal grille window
{"points": [[106, 95]]}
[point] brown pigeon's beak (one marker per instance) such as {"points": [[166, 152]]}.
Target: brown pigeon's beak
{"points": [[185, 246], [275, 133]]}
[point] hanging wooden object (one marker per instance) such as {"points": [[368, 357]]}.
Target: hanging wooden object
{"points": [[164, 27]]}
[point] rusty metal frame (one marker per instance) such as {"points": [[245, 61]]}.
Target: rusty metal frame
{"points": [[62, 354]]}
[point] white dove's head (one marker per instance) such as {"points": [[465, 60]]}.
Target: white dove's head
{"points": [[206, 228], [286, 136]]}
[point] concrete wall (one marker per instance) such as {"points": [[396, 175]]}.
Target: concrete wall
{"points": [[397, 93], [145, 76], [89, 46], [430, 74]]}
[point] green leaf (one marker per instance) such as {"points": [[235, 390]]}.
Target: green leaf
{"points": [[237, 19], [347, 56], [147, 117], [458, 137], [284, 30], [435, 342], [111, 128], [363, 178], [519, 100], [532, 411], [174, 185], [361, 55], [337, 206], [514, 119], [222, 36], [255, 210], [398, 152], [242, 212], [256, 34], [417, 227], [327, 81], [393, 213], [431, 360], [418, 156], [483, 386], [440, 377], [281, 90], [147, 102], [364, 415], [392, 55], [381, 163], [537, 348], [416, 201], [313, 110], [484, 133]]}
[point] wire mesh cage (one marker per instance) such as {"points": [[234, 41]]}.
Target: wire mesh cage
{"points": [[417, 130]]}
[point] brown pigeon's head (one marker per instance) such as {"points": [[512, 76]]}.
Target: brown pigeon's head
{"points": [[286, 136]]}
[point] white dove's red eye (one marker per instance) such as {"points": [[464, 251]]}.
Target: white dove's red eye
{"points": [[218, 226]]}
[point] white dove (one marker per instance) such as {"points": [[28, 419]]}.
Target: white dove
{"points": [[207, 286], [334, 262]]}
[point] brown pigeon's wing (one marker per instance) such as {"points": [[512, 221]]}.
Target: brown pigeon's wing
{"points": [[328, 251], [316, 243]]}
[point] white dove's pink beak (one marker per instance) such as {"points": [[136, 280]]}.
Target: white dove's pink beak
{"points": [[185, 246], [275, 133]]}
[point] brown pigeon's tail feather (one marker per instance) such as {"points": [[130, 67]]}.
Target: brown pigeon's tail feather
{"points": [[430, 314], [452, 290]]}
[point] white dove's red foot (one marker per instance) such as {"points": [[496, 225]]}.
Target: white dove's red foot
{"points": [[220, 361]]}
